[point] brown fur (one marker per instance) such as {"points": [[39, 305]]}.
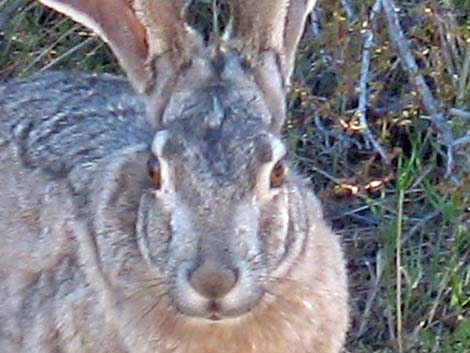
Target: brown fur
{"points": [[94, 257]]}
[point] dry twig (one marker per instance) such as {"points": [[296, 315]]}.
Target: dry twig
{"points": [[459, 112], [67, 54], [363, 97], [314, 26], [464, 76], [348, 8]]}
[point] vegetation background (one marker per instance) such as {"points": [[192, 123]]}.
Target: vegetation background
{"points": [[380, 122]]}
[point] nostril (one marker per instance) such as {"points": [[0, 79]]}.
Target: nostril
{"points": [[213, 280]]}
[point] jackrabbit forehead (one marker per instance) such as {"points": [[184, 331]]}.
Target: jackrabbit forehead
{"points": [[214, 87]]}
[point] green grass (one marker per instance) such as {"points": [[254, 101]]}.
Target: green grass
{"points": [[408, 238], [37, 40]]}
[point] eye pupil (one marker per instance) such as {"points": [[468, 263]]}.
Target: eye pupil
{"points": [[154, 172], [278, 174]]}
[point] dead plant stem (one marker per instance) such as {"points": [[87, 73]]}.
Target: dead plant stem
{"points": [[363, 87], [399, 326]]}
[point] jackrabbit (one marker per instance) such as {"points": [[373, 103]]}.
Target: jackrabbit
{"points": [[163, 217]]}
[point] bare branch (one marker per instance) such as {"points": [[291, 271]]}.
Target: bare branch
{"points": [[350, 13], [460, 113], [448, 50], [432, 107], [314, 27], [363, 89], [464, 140], [464, 75]]}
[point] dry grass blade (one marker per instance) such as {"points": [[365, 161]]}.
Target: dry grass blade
{"points": [[7, 11], [398, 269]]}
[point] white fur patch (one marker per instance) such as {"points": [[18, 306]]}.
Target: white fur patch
{"points": [[159, 141], [167, 174]]}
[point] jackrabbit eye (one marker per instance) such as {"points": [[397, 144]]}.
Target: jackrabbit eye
{"points": [[278, 174], [154, 172]]}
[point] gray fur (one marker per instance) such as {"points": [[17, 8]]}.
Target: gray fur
{"points": [[94, 258]]}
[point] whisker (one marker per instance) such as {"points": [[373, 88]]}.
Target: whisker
{"points": [[171, 321], [141, 291], [146, 310]]}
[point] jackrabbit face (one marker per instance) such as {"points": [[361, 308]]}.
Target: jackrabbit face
{"points": [[214, 218], [229, 243], [223, 194]]}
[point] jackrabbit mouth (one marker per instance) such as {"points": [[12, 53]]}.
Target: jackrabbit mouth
{"points": [[216, 311]]}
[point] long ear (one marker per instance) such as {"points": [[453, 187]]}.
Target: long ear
{"points": [[115, 22], [294, 27], [164, 22], [272, 25], [136, 30]]}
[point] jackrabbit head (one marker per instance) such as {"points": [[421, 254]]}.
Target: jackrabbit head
{"points": [[228, 249]]}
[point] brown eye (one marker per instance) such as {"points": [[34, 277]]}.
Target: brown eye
{"points": [[154, 172], [278, 174]]}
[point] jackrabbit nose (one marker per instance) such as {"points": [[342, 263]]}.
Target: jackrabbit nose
{"points": [[213, 280]]}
